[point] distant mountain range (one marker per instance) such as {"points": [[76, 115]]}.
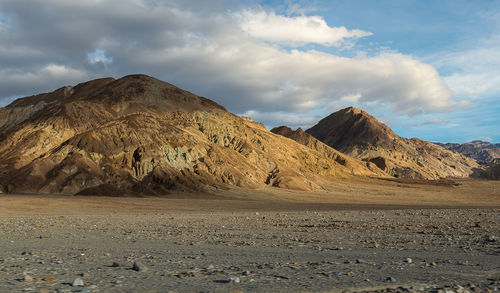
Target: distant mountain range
{"points": [[139, 135], [481, 151]]}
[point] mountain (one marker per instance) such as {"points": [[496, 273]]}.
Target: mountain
{"points": [[481, 151], [357, 166], [358, 134], [139, 135]]}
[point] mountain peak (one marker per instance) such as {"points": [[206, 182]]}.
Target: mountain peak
{"points": [[136, 90], [353, 110], [351, 126], [357, 133]]}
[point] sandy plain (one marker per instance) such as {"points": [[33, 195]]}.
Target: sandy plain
{"points": [[366, 235]]}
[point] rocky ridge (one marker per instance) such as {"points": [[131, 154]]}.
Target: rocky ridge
{"points": [[358, 134], [308, 140], [481, 151]]}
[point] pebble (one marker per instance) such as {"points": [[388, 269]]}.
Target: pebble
{"points": [[235, 280], [77, 282], [362, 261], [492, 238], [408, 260], [28, 278], [417, 288], [49, 279], [390, 279], [139, 267], [115, 264]]}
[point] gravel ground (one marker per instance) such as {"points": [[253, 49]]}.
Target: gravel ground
{"points": [[408, 250]]}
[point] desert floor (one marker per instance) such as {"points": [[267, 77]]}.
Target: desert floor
{"points": [[365, 235]]}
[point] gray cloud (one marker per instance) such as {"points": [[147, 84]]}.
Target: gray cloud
{"points": [[208, 49]]}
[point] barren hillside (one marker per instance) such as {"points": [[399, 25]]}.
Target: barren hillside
{"points": [[140, 135], [358, 134]]}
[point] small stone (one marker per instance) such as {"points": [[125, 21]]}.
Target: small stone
{"points": [[28, 278], [390, 279], [408, 260], [492, 238], [417, 288], [119, 277], [77, 282], [115, 264], [257, 213], [49, 279], [235, 280], [210, 267], [139, 267]]}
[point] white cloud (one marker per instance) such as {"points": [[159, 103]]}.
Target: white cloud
{"points": [[474, 85], [235, 58], [433, 122], [52, 75], [294, 31], [279, 119], [475, 71], [296, 8], [351, 98], [60, 71]]}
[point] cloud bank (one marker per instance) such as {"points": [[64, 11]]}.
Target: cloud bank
{"points": [[251, 61]]}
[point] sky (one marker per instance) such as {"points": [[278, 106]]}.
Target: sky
{"points": [[428, 69]]}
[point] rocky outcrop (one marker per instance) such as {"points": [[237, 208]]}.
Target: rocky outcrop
{"points": [[358, 134]]}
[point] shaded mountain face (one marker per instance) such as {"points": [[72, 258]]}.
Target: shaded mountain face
{"points": [[356, 166], [492, 169], [140, 135], [481, 151], [360, 135]]}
